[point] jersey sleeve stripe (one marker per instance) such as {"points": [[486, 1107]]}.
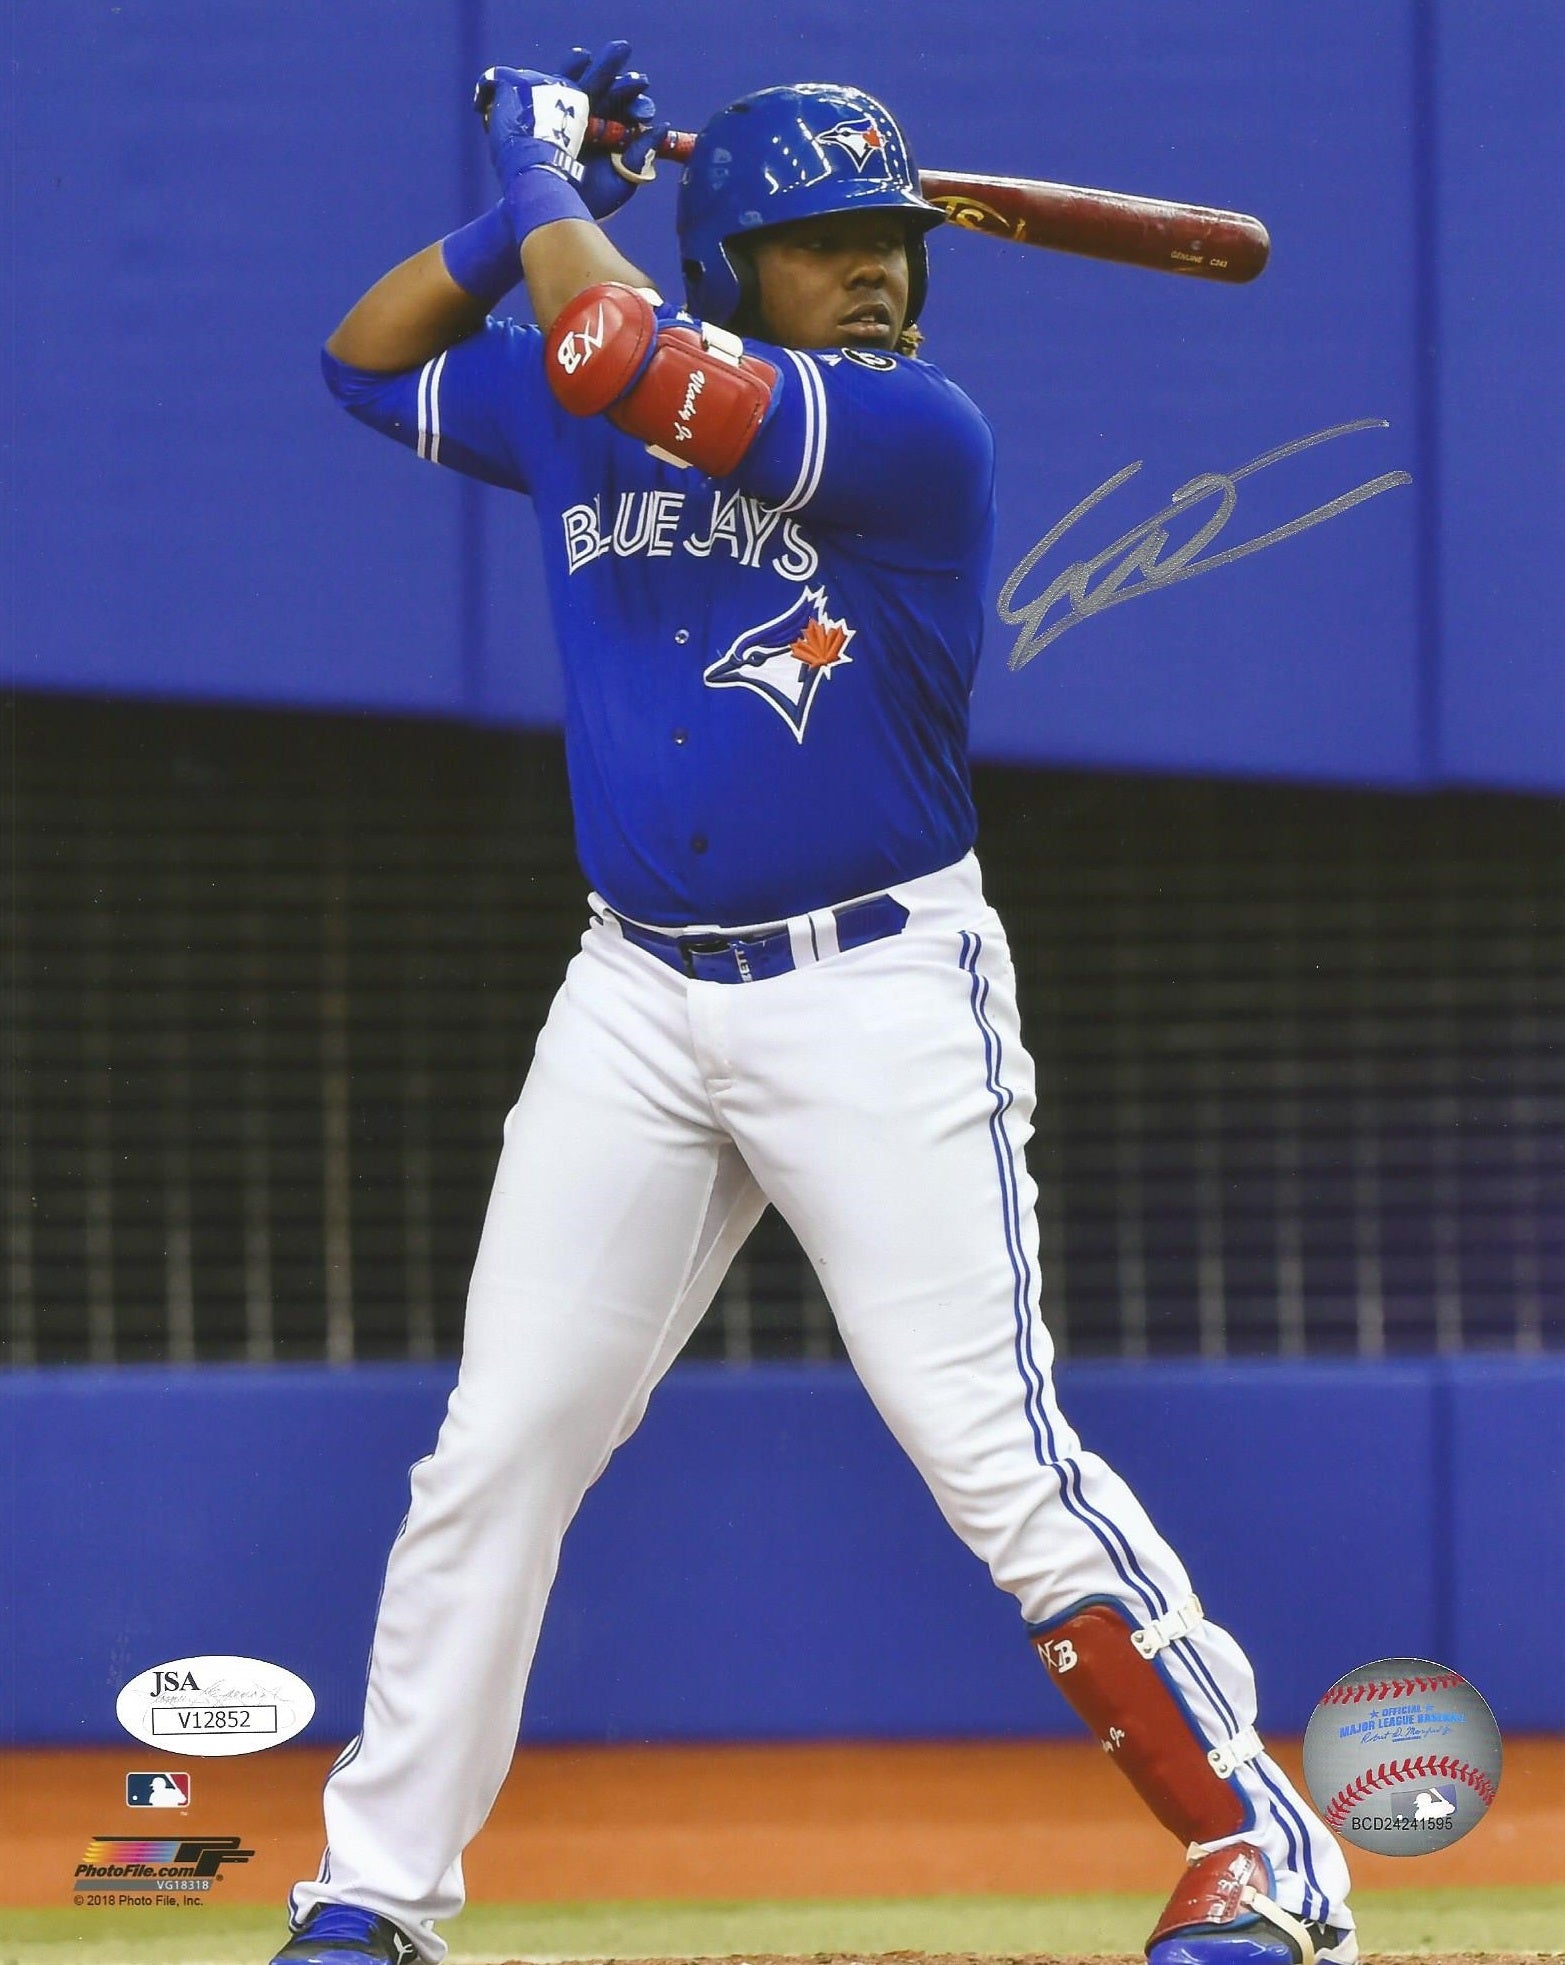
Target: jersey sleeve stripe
{"points": [[817, 383], [813, 461], [809, 434], [429, 408], [423, 408]]}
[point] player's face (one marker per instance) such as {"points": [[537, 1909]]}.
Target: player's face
{"points": [[834, 282]]}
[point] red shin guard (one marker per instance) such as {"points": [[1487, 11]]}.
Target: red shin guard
{"points": [[1103, 1664], [1217, 1891], [1228, 1888]]}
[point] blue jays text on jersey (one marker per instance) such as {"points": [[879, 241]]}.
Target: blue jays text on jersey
{"points": [[767, 676]]}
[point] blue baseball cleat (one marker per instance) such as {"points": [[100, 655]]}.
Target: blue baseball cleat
{"points": [[1255, 1941], [342, 1934], [1223, 1914]]}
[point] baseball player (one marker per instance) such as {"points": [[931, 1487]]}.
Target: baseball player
{"points": [[766, 527]]}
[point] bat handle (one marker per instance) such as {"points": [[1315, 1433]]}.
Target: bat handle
{"points": [[675, 145]]}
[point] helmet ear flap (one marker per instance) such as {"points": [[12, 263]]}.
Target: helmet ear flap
{"points": [[706, 286], [744, 316], [917, 272], [748, 310]]}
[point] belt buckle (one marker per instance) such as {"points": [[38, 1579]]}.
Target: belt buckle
{"points": [[692, 946]]}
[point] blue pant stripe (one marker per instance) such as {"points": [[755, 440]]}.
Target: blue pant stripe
{"points": [[1284, 1811], [1002, 1099], [1066, 1471], [1110, 1535], [349, 1754], [1155, 1600], [1104, 1527], [1288, 1836], [1202, 1673]]}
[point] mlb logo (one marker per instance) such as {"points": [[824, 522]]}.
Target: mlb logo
{"points": [[157, 1790], [1436, 1803]]}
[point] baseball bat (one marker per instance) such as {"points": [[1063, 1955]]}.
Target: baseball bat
{"points": [[1190, 239]]}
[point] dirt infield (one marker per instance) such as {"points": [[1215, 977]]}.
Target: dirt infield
{"points": [[1056, 1958], [1453, 1927], [736, 1822]]}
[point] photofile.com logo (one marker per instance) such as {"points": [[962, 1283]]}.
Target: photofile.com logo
{"points": [[147, 1859]]}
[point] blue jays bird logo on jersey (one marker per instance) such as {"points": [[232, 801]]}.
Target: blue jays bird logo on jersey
{"points": [[787, 659], [862, 141]]}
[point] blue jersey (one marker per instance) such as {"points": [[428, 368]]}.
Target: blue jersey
{"points": [[767, 676]]}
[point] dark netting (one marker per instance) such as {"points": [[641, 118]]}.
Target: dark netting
{"points": [[271, 982]]}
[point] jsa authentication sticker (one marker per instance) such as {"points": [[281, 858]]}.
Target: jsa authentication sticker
{"points": [[215, 1706]]}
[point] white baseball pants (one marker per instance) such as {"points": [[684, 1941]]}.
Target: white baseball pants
{"points": [[882, 1099]]}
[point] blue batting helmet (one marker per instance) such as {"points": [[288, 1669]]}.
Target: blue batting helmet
{"points": [[782, 154]]}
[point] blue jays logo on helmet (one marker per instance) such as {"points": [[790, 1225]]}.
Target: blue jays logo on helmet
{"points": [[862, 141], [804, 151], [787, 659]]}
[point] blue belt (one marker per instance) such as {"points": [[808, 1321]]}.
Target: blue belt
{"points": [[769, 951]]}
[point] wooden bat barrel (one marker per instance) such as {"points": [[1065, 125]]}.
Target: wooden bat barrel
{"points": [[1169, 238]]}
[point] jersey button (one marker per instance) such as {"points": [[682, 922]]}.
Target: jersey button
{"points": [[698, 842], [682, 636], [681, 736]]}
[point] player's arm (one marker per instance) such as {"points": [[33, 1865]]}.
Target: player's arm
{"points": [[544, 227], [553, 197], [415, 311], [420, 308], [886, 449], [418, 357]]}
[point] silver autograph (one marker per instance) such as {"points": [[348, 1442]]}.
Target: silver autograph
{"points": [[1138, 551]]}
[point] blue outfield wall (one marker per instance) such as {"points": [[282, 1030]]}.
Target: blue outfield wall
{"points": [[760, 1561], [189, 514]]}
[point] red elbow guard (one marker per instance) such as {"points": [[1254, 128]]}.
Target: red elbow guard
{"points": [[599, 344], [701, 399], [691, 394]]}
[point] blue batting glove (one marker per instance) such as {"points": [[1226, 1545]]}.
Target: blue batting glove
{"points": [[533, 120], [620, 94]]}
